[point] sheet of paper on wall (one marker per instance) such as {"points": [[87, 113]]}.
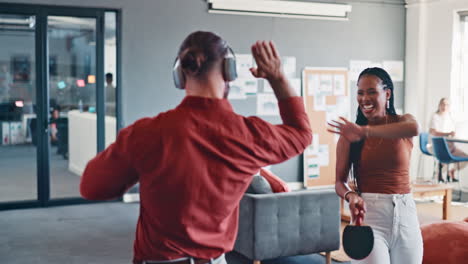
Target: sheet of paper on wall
{"points": [[312, 167], [243, 64], [249, 85], [312, 149], [326, 84], [320, 102], [313, 82], [289, 66], [343, 106], [356, 67], [395, 69], [267, 87], [267, 105], [296, 85], [339, 85], [313, 170], [331, 112], [323, 155], [375, 64], [236, 91]]}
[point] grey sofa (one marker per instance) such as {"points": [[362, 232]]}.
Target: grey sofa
{"points": [[288, 224]]}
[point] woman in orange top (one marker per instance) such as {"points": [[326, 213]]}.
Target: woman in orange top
{"points": [[376, 150]]}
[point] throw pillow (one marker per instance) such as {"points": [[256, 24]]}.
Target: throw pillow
{"points": [[277, 185], [259, 185]]}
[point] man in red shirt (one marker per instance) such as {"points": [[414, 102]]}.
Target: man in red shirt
{"points": [[195, 162]]}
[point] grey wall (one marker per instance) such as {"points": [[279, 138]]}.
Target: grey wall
{"points": [[153, 30]]}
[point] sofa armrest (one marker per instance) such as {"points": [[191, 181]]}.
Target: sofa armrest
{"points": [[288, 224]]}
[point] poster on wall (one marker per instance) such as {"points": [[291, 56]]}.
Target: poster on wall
{"points": [[267, 105], [243, 86], [356, 67], [313, 81], [320, 102], [243, 64], [339, 85], [267, 87], [236, 91], [326, 85], [295, 84], [289, 66], [313, 171], [395, 69]]}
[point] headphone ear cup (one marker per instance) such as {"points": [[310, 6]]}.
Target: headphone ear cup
{"points": [[178, 75], [230, 70]]}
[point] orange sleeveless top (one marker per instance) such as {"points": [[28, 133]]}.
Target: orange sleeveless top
{"points": [[384, 164]]}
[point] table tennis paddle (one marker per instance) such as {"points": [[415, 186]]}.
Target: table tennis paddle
{"points": [[358, 240]]}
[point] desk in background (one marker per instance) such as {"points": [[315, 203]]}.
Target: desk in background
{"points": [[11, 133], [27, 131], [460, 143], [457, 140], [444, 190], [82, 138]]}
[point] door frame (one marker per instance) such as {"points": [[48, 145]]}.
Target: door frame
{"points": [[41, 13]]}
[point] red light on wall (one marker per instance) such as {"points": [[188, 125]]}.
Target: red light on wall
{"points": [[80, 83]]}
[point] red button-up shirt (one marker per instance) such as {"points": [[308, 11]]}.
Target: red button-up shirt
{"points": [[193, 163]]}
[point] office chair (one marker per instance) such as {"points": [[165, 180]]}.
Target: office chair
{"points": [[442, 153], [423, 140]]}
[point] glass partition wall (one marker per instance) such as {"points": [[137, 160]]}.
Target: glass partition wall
{"points": [[57, 107], [18, 149]]}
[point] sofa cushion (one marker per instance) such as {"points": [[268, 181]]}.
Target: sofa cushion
{"points": [[445, 242], [277, 185], [259, 185]]}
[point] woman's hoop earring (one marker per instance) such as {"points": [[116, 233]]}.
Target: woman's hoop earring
{"points": [[388, 104]]}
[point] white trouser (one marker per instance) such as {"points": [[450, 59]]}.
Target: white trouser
{"points": [[397, 235]]}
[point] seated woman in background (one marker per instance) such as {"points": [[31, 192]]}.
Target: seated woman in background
{"points": [[376, 150], [443, 125]]}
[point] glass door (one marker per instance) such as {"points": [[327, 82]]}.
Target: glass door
{"points": [[72, 101], [59, 85], [18, 108]]}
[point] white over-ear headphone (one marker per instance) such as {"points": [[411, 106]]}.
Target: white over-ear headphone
{"points": [[229, 70]]}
